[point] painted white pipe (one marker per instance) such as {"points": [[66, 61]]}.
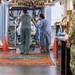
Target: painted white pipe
{"points": [[69, 4], [6, 21]]}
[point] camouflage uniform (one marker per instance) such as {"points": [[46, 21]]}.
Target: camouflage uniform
{"points": [[71, 39]]}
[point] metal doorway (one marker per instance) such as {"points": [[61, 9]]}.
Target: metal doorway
{"points": [[13, 13]]}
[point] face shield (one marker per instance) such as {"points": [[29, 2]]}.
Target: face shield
{"points": [[36, 18]]}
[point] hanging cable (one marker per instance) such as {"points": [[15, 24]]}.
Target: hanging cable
{"points": [[12, 15]]}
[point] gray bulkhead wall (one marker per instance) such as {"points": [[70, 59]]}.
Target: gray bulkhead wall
{"points": [[47, 12]]}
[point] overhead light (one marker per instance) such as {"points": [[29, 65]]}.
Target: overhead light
{"points": [[7, 1], [10, 7], [53, 0]]}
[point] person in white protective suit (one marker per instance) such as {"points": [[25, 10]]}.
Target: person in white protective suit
{"points": [[33, 29], [18, 29]]}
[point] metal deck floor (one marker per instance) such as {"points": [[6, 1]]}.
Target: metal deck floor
{"points": [[29, 70]]}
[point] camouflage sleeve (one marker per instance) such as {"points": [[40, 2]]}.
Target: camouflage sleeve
{"points": [[71, 34]]}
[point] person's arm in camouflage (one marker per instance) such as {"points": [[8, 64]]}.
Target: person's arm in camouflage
{"points": [[72, 28]]}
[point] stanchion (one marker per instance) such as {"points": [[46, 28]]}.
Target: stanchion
{"points": [[5, 44]]}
